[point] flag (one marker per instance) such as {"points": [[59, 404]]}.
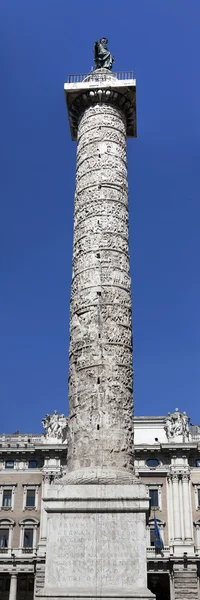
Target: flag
{"points": [[158, 540]]}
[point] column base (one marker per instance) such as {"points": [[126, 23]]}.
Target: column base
{"points": [[180, 547], [93, 594], [99, 475]]}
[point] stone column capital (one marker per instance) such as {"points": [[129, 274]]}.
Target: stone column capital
{"points": [[175, 477], [186, 477], [107, 88]]}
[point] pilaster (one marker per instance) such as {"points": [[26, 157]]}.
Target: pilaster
{"points": [[188, 536], [180, 512], [176, 507]]}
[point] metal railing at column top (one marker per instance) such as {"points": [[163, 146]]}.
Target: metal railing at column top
{"points": [[78, 77]]}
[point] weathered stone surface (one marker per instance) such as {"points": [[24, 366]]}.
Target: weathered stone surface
{"points": [[100, 372], [186, 583], [94, 552]]}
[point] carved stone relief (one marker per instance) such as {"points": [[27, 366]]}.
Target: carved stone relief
{"points": [[100, 373]]}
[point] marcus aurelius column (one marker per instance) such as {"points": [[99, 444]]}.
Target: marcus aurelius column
{"points": [[100, 374], [96, 525]]}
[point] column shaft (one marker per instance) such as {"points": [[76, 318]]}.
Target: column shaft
{"points": [[100, 372], [13, 587], [176, 506], [170, 510], [186, 509]]}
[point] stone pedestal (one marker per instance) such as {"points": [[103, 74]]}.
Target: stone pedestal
{"points": [[96, 546]]}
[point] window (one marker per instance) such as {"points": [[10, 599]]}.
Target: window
{"points": [[7, 498], [32, 464], [152, 537], [30, 498], [154, 498], [28, 538], [4, 536], [28, 534], [6, 527], [30, 495], [152, 462], [9, 464], [197, 462]]}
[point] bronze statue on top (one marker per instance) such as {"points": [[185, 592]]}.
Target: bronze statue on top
{"points": [[103, 59]]}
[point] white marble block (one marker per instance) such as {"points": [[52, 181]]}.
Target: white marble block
{"points": [[96, 542]]}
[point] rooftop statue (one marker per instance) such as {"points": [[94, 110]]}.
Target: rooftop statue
{"points": [[55, 427], [103, 59], [177, 424]]}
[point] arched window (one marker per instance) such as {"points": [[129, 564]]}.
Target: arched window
{"points": [[6, 527], [28, 535]]}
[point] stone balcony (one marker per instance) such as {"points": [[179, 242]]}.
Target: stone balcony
{"points": [[17, 553], [153, 553]]}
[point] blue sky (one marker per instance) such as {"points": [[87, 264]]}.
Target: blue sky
{"points": [[41, 42]]}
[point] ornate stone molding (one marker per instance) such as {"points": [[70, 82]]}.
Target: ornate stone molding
{"points": [[105, 88], [100, 476]]}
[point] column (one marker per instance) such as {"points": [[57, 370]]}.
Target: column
{"points": [[1, 496], [10, 536], [160, 497], [100, 360], [198, 536], [176, 507], [13, 587], [43, 513], [187, 508], [170, 509], [171, 584], [181, 506], [148, 536], [35, 537]]}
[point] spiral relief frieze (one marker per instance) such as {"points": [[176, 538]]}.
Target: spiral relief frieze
{"points": [[100, 372]]}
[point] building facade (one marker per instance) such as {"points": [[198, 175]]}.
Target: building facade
{"points": [[167, 459]]}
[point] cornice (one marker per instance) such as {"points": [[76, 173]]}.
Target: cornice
{"points": [[104, 89]]}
